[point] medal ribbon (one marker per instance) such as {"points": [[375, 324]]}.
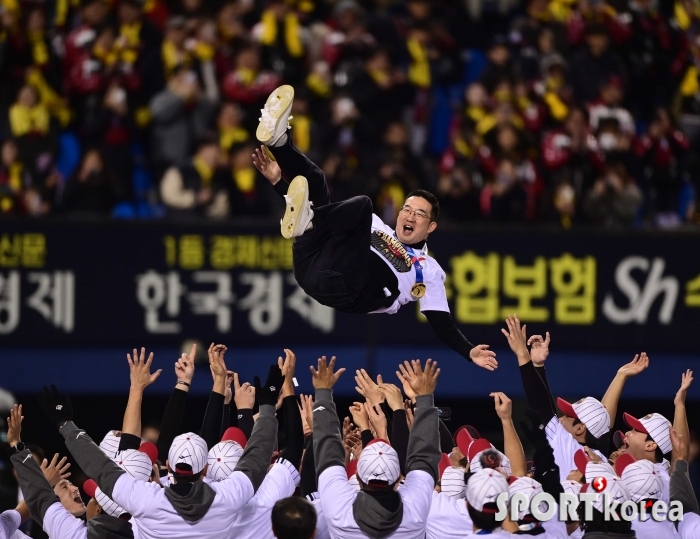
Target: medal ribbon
{"points": [[416, 263]]}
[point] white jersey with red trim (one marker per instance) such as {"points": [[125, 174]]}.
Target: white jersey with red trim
{"points": [[385, 244], [564, 446]]}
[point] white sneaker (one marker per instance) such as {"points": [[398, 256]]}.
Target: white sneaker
{"points": [[275, 117], [298, 215]]}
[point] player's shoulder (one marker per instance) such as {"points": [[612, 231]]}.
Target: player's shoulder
{"points": [[378, 224]]}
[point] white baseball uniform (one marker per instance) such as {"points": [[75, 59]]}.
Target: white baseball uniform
{"points": [[689, 527], [59, 523], [338, 495], [564, 446], [321, 524], [448, 518], [10, 521]]}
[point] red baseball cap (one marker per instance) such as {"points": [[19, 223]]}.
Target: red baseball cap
{"points": [[151, 450], [90, 487], [444, 463], [235, 434]]}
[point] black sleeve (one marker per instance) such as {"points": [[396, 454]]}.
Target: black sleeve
{"points": [[539, 397], [546, 470], [246, 421], [307, 483], [542, 372], [446, 440], [281, 188], [128, 441], [399, 437], [447, 331], [225, 422], [293, 431], [212, 419], [366, 437], [172, 420], [389, 414]]}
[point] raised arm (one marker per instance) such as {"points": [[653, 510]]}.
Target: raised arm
{"points": [[511, 441], [244, 398], [328, 445], [399, 427], [447, 331], [680, 487], [175, 409], [211, 426], [537, 391], [546, 469], [293, 426], [612, 395], [141, 377], [680, 418]]}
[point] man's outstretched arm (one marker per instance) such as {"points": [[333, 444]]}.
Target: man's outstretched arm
{"points": [[612, 396], [448, 332]]}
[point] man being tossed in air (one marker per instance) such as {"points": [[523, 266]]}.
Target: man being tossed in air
{"points": [[345, 257]]}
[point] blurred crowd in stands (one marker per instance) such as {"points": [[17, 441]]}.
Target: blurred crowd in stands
{"points": [[559, 111]]}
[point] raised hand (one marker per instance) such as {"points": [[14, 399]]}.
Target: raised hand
{"points": [[217, 364], [504, 406], [324, 377], [378, 420], [393, 396], [266, 165], [184, 367], [634, 367], [517, 338], [287, 366], [55, 470], [243, 395], [422, 381], [56, 405], [686, 380], [409, 413], [270, 391], [407, 389], [307, 413], [140, 370], [592, 455], [228, 394], [483, 357], [360, 416], [679, 446], [367, 388], [14, 425], [539, 348]]}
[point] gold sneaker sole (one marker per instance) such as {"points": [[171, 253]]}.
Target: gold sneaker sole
{"points": [[284, 95], [298, 194]]}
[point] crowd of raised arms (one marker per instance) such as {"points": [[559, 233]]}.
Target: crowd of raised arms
{"points": [[387, 467]]}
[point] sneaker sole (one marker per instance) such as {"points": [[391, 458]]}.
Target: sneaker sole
{"points": [[285, 95], [298, 194]]}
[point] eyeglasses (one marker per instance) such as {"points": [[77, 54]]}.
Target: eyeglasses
{"points": [[420, 214]]}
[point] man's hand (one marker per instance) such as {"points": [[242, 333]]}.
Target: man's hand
{"points": [[360, 416], [378, 420], [409, 413], [307, 413], [287, 366], [56, 405], [679, 446], [140, 370], [517, 338], [634, 367], [270, 392], [243, 395], [686, 380], [367, 388], [55, 470], [592, 455], [393, 396], [184, 367], [539, 349], [14, 425], [228, 394], [216, 361], [504, 406], [483, 357], [407, 389], [422, 382], [267, 167], [324, 377]]}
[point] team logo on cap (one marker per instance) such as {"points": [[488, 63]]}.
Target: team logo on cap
{"points": [[391, 249], [648, 416], [599, 483]]}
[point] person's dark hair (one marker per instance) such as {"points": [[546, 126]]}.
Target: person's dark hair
{"points": [[187, 478], [293, 518], [484, 520], [599, 524], [427, 195], [658, 454], [591, 441]]}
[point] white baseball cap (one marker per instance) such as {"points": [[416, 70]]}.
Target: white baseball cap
{"points": [[655, 425], [108, 505], [188, 454], [614, 489], [110, 443], [222, 459], [590, 469], [639, 477], [483, 488], [590, 412], [529, 487], [571, 487], [136, 463], [378, 464], [452, 482]]}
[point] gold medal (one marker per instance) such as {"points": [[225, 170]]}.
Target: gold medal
{"points": [[418, 290]]}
